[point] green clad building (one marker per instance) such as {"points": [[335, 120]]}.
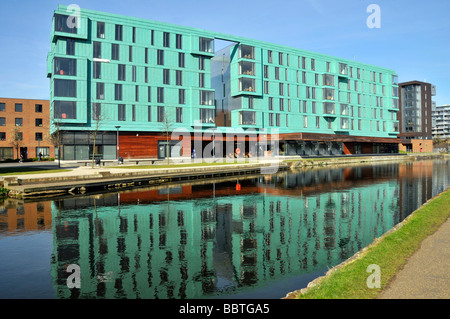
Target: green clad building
{"points": [[132, 80]]}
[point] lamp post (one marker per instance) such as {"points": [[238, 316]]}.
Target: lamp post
{"points": [[117, 143]]}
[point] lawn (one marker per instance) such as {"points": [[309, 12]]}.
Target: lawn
{"points": [[5, 171], [390, 254]]}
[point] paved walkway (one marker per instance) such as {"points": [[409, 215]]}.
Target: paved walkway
{"points": [[426, 274]]}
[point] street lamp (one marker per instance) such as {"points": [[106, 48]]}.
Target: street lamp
{"points": [[117, 143]]}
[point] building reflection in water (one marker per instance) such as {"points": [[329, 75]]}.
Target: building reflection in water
{"points": [[219, 239]]}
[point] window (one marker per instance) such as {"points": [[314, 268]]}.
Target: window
{"points": [[19, 136], [266, 71], [133, 73], [100, 90], [281, 105], [119, 32], [160, 57], [65, 88], [270, 119], [121, 115], [136, 93], [130, 53], [277, 73], [206, 45], [96, 111], [206, 97], [121, 72], [179, 41], [2, 107], [160, 97], [329, 108], [317, 122], [328, 80], [38, 122], [344, 123], [2, 121], [266, 87], [166, 39], [328, 94], [181, 60], [134, 35], [181, 96], [343, 69], [3, 137], [149, 94], [303, 63], [18, 107], [152, 37], [270, 103], [179, 77], [67, 24], [44, 151], [166, 76], [97, 70], [133, 112], [149, 113], [101, 30], [201, 80], [313, 64], [65, 66], [70, 46], [97, 48], [114, 51], [277, 119], [160, 113], [305, 121], [65, 110], [207, 116], [250, 102], [118, 92], [201, 63], [269, 56], [146, 74], [280, 58], [179, 115], [247, 118]]}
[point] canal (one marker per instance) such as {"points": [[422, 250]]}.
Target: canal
{"points": [[259, 237]]}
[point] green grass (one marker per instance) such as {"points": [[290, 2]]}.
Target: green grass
{"points": [[391, 254], [5, 171]]}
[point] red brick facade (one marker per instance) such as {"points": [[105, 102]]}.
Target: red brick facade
{"points": [[24, 127]]}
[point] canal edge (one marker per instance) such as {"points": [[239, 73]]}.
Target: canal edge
{"points": [[360, 254]]}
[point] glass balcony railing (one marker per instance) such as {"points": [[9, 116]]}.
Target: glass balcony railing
{"points": [[246, 52]]}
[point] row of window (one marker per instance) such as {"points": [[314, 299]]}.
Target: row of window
{"points": [[18, 136], [19, 122], [18, 107], [205, 115]]}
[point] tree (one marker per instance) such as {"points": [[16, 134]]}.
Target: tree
{"points": [[98, 119], [56, 139], [167, 123], [16, 139]]}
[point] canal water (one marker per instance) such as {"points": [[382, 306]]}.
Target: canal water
{"points": [[259, 237]]}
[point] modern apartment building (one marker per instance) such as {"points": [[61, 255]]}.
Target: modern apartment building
{"points": [[441, 121], [415, 110], [132, 80], [24, 129]]}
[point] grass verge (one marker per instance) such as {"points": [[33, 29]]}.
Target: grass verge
{"points": [[391, 253], [28, 170]]}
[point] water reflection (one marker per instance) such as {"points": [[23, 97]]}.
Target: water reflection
{"points": [[226, 239]]}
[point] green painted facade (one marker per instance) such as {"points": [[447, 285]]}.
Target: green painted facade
{"points": [[249, 84]]}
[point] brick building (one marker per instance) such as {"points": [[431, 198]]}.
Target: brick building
{"points": [[24, 129]]}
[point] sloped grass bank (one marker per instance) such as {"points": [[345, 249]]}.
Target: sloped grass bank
{"points": [[390, 252]]}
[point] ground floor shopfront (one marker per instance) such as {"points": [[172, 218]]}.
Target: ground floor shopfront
{"points": [[141, 145]]}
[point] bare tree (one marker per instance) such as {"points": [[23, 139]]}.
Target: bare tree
{"points": [[16, 139], [56, 139], [98, 119], [167, 123]]}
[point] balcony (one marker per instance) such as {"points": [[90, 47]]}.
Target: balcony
{"points": [[246, 52], [247, 118], [247, 85], [328, 94], [247, 68], [328, 80], [329, 109]]}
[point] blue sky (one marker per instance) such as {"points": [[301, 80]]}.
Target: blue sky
{"points": [[413, 40]]}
